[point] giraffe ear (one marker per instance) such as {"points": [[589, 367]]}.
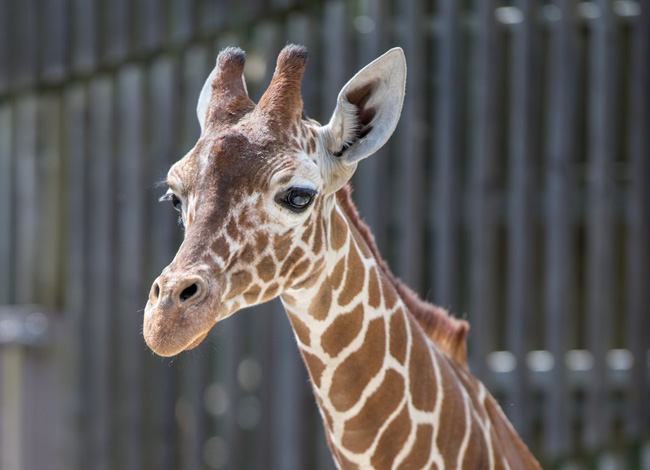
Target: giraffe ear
{"points": [[367, 109]]}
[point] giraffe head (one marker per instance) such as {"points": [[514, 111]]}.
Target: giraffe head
{"points": [[253, 193]]}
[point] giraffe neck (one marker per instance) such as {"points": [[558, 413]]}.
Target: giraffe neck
{"points": [[388, 396]]}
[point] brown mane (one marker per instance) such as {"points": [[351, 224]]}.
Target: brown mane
{"points": [[448, 333]]}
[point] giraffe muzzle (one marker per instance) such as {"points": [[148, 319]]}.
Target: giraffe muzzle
{"points": [[180, 312]]}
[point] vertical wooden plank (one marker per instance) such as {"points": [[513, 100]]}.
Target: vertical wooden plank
{"points": [[163, 236], [638, 216], [335, 54], [290, 394], [600, 219], [130, 288], [447, 158], [101, 276], [10, 359], [53, 21], [410, 140], [483, 191], [522, 208], [44, 398], [24, 39], [115, 18], [26, 202], [214, 16], [5, 45], [49, 229], [7, 132], [182, 14], [150, 25], [85, 34], [76, 250], [12, 405], [559, 231], [197, 65]]}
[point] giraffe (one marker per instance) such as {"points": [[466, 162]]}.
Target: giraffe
{"points": [[266, 206]]}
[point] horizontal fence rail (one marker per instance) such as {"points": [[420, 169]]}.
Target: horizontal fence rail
{"points": [[515, 192]]}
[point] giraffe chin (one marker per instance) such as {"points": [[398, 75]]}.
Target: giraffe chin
{"points": [[167, 349], [168, 334], [197, 341]]}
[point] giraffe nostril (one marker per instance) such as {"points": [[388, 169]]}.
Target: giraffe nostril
{"points": [[188, 292], [155, 292]]}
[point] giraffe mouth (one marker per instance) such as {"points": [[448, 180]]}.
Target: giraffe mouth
{"points": [[167, 336], [198, 340]]}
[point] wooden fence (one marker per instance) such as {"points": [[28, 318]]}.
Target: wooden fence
{"points": [[515, 192]]}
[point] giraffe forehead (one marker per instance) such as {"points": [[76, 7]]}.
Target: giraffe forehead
{"points": [[247, 161]]}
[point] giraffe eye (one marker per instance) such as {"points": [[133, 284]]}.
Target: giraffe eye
{"points": [[297, 199], [175, 200]]}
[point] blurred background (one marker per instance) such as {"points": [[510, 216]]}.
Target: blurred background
{"points": [[515, 192]]}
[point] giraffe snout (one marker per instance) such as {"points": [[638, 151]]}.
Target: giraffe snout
{"points": [[180, 312]]}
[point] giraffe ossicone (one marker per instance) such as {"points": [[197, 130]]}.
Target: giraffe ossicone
{"points": [[267, 212]]}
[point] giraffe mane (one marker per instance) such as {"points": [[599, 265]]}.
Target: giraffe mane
{"points": [[447, 333]]}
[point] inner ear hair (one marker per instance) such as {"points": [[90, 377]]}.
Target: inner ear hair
{"points": [[359, 116]]}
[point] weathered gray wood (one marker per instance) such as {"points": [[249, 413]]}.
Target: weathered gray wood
{"points": [[410, 140], [559, 225], [601, 199], [484, 197], [638, 213], [130, 289], [523, 145], [335, 55], [98, 350], [447, 155], [49, 274], [24, 50], [182, 19], [214, 15], [53, 17], [5, 40], [76, 247], [46, 394], [26, 200], [12, 405], [115, 31], [85, 31], [7, 132], [150, 30]]}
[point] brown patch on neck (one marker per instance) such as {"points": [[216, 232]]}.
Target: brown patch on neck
{"points": [[448, 333]]}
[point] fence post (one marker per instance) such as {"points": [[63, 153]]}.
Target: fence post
{"points": [[21, 327]]}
